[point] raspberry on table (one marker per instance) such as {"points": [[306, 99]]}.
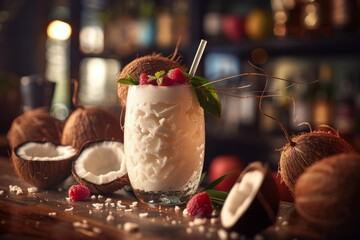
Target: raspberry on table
{"points": [[78, 192], [200, 205]]}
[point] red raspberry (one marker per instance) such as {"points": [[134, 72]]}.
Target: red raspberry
{"points": [[166, 81], [200, 205], [78, 192], [144, 80], [178, 76]]}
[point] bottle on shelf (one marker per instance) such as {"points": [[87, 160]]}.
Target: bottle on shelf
{"points": [[323, 98], [343, 14], [345, 117]]}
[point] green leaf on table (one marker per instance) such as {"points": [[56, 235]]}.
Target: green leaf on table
{"points": [[217, 197], [217, 181]]}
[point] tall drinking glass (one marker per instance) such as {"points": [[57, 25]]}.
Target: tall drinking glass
{"points": [[164, 139]]}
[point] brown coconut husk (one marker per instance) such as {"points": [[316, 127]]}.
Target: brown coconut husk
{"points": [[327, 195], [306, 149], [263, 207], [35, 125], [106, 188], [149, 64], [90, 123]]}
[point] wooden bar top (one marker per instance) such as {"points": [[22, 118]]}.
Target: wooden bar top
{"points": [[50, 215]]}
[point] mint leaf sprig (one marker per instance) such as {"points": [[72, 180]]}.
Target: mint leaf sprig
{"points": [[206, 94], [128, 81]]}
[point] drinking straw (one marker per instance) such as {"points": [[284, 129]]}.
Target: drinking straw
{"points": [[197, 57]]}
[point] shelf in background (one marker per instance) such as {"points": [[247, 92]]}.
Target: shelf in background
{"points": [[334, 45]]}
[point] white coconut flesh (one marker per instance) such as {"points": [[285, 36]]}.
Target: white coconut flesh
{"points": [[240, 197], [46, 151], [101, 163]]}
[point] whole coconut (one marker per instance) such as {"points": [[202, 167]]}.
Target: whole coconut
{"points": [[87, 124], [327, 195], [35, 125], [149, 64], [306, 149]]}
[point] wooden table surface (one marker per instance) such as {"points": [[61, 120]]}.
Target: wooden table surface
{"points": [[49, 215]]}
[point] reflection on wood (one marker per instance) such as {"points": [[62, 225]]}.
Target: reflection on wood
{"points": [[49, 215]]}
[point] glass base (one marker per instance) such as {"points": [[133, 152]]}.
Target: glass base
{"points": [[170, 198]]}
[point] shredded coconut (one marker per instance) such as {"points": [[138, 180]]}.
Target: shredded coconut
{"points": [[131, 227], [143, 215], [110, 218], [69, 209], [222, 234], [15, 188], [98, 206], [32, 189]]}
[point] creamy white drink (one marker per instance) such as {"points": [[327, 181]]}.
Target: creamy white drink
{"points": [[164, 140]]}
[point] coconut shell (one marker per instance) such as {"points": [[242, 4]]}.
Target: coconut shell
{"points": [[35, 125], [327, 195], [106, 188], [263, 209], [42, 174], [306, 149], [88, 124], [149, 64]]}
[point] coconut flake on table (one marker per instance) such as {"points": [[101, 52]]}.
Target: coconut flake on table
{"points": [[98, 206], [110, 218], [222, 234], [133, 204], [131, 227], [143, 215], [96, 230], [32, 189], [15, 188], [69, 209]]}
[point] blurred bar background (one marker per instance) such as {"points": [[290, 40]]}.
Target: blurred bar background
{"points": [[91, 40]]}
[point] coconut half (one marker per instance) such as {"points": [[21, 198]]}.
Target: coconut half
{"points": [[101, 166], [43, 164], [253, 201]]}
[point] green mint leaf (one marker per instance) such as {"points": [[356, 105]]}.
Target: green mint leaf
{"points": [[206, 95], [128, 81], [160, 74], [217, 181], [217, 197]]}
